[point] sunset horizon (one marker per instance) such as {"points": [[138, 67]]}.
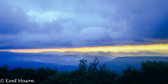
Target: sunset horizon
{"points": [[84, 41]]}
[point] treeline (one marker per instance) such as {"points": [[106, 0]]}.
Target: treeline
{"points": [[150, 73]]}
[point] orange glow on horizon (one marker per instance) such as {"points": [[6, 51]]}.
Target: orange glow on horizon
{"points": [[161, 48]]}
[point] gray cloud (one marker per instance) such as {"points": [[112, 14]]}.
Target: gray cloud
{"points": [[74, 23]]}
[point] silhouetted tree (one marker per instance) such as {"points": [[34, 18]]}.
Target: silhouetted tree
{"points": [[150, 73], [93, 67], [83, 65], [4, 72], [130, 76], [22, 73], [43, 73], [154, 72]]}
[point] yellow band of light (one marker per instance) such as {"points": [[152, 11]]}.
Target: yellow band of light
{"points": [[163, 48]]}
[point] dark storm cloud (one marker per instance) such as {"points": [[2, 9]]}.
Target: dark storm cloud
{"points": [[147, 19], [76, 23], [17, 31], [162, 31], [12, 19]]}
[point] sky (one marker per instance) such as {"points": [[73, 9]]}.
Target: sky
{"points": [[118, 27]]}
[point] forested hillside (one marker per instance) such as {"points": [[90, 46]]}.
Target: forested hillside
{"points": [[151, 72]]}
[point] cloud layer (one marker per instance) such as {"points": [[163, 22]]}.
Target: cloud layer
{"points": [[78, 23]]}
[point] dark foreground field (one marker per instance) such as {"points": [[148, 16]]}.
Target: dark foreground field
{"points": [[151, 72]]}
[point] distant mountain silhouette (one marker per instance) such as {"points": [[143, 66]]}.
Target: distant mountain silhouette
{"points": [[119, 63], [37, 60], [69, 62]]}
